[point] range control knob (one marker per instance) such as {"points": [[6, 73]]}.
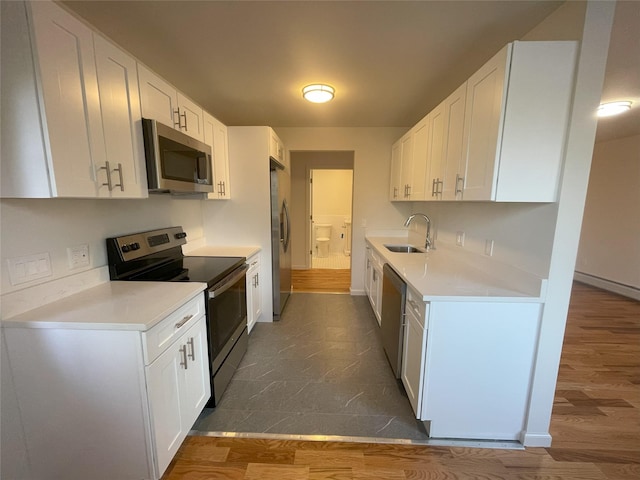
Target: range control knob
{"points": [[135, 246], [125, 248], [180, 235]]}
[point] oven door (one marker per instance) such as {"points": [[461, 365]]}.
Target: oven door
{"points": [[226, 315]]}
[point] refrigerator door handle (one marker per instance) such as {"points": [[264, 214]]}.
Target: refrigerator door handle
{"points": [[286, 225]]}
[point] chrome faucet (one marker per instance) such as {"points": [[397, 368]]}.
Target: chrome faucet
{"points": [[428, 243]]}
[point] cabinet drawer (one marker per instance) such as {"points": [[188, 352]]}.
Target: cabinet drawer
{"points": [[416, 306], [157, 339]]}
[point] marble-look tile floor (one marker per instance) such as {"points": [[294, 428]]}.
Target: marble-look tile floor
{"points": [[321, 370]]}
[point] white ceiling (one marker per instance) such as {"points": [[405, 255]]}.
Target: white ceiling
{"points": [[390, 61]]}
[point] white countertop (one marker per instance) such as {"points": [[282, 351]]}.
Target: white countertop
{"points": [[440, 275], [111, 306], [223, 251]]}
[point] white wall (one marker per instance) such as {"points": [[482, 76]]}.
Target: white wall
{"points": [[32, 226], [372, 155], [610, 238]]}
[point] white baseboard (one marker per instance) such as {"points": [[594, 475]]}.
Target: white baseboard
{"points": [[535, 439], [355, 292], [608, 285]]}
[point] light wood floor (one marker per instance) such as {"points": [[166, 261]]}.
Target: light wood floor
{"points": [[595, 424], [321, 280]]}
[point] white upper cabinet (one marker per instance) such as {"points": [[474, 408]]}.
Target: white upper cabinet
{"points": [[123, 173], [500, 136], [215, 135], [162, 102], [69, 118], [158, 98], [276, 148], [418, 167], [190, 118], [517, 109], [454, 166], [437, 137], [395, 190]]}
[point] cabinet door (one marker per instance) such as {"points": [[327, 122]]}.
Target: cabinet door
{"points": [[395, 190], [196, 387], [486, 95], [191, 118], [254, 299], [454, 165], [407, 165], [419, 159], [69, 88], [221, 153], [436, 152], [215, 135], [413, 355], [164, 381], [121, 122], [158, 99]]}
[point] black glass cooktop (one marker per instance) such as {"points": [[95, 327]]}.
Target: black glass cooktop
{"points": [[209, 270]]}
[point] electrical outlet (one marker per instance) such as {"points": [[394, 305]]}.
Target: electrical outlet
{"points": [[78, 256], [488, 248], [460, 239], [28, 268]]}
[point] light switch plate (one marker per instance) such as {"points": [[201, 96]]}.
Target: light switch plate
{"points": [[460, 239], [28, 268]]}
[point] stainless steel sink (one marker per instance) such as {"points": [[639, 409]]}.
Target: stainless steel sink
{"points": [[403, 249]]}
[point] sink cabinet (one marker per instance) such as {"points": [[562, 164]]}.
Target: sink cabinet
{"points": [[109, 403]]}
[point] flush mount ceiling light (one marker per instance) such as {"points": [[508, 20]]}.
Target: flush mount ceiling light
{"points": [[613, 108], [318, 93]]}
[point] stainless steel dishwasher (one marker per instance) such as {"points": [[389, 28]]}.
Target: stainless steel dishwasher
{"points": [[394, 292]]}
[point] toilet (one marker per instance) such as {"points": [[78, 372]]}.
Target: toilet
{"points": [[323, 236]]}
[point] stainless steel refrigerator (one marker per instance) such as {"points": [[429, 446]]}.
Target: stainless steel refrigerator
{"points": [[280, 237]]}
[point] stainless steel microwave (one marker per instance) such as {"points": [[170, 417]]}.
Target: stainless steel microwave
{"points": [[176, 162]]}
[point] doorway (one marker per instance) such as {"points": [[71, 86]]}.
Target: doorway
{"points": [[330, 192], [322, 185]]}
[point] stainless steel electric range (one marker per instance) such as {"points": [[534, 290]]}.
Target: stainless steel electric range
{"points": [[156, 255]]}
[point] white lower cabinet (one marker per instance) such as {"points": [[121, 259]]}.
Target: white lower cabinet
{"points": [[108, 403], [467, 366], [373, 282], [254, 298], [178, 386], [413, 351]]}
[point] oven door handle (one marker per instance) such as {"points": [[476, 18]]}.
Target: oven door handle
{"points": [[228, 282]]}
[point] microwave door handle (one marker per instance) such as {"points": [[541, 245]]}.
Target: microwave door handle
{"points": [[227, 283]]}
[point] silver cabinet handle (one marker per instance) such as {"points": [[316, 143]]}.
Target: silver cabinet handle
{"points": [[257, 279], [184, 115], [119, 170], [183, 321], [458, 179], [178, 123], [108, 171], [395, 192], [183, 352], [433, 187], [192, 355], [408, 190]]}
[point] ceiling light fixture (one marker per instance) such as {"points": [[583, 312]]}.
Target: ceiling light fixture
{"points": [[318, 93], [613, 108]]}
